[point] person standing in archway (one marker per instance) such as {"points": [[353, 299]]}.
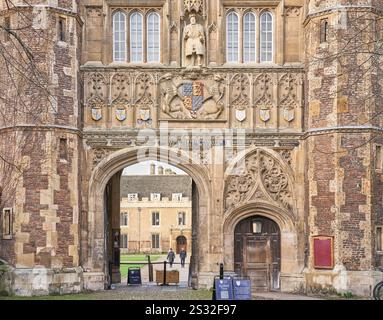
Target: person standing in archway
{"points": [[170, 257], [183, 255]]}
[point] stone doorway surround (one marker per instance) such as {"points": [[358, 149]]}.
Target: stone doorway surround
{"points": [[95, 256], [291, 268]]}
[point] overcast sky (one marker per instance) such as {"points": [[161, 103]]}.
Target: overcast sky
{"points": [[143, 168]]}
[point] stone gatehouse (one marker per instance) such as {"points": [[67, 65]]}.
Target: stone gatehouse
{"points": [[267, 105]]}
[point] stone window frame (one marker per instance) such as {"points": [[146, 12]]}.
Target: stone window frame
{"points": [[132, 197], [125, 52], [7, 227], [62, 29], [154, 220], [183, 218], [258, 12], [123, 242], [324, 31], [177, 197], [145, 13], [155, 196], [378, 167], [152, 242], [125, 217]]}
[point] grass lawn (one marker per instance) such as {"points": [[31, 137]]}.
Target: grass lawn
{"points": [[135, 258]]}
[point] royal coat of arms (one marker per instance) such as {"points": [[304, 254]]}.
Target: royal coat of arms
{"points": [[193, 97]]}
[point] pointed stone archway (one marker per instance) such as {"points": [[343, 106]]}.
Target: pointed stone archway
{"points": [[259, 183], [94, 253]]}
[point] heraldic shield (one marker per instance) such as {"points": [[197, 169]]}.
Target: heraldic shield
{"points": [[240, 114], [289, 114], [96, 114], [121, 114], [193, 96], [264, 113], [144, 116]]}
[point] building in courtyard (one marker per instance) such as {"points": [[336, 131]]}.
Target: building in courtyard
{"points": [[156, 213], [272, 108]]}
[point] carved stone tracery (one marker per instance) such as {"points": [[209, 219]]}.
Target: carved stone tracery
{"points": [[264, 92], [260, 175], [288, 96]]}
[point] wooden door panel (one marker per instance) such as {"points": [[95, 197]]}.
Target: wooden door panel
{"points": [[257, 255], [259, 279]]}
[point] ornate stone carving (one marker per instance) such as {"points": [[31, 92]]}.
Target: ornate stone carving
{"points": [[240, 95], [288, 97], [286, 155], [193, 5], [120, 94], [293, 11], [192, 99], [262, 176], [99, 155], [93, 11], [145, 99], [96, 95], [194, 43], [264, 92]]}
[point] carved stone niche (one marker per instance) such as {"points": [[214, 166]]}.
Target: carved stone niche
{"points": [[122, 111], [192, 99], [289, 99], [96, 96], [266, 113], [194, 42], [260, 177], [241, 113], [144, 104]]}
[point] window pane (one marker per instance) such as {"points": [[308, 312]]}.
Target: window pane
{"points": [[119, 36], [136, 36], [266, 37], [153, 30], [155, 241], [249, 42], [232, 37]]}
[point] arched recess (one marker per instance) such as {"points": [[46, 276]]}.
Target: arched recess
{"points": [[289, 239], [117, 161], [259, 182]]}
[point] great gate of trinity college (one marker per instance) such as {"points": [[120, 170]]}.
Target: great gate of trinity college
{"points": [[286, 187]]}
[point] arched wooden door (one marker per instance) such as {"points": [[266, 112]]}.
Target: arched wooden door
{"points": [[181, 243], [257, 252]]}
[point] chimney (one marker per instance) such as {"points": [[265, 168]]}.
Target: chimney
{"points": [[152, 169], [160, 170]]}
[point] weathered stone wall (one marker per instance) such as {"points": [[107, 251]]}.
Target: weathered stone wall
{"points": [[42, 126], [341, 113]]}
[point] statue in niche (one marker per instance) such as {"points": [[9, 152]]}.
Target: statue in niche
{"points": [[194, 39]]}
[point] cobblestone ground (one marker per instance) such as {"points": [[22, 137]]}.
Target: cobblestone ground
{"points": [[154, 292]]}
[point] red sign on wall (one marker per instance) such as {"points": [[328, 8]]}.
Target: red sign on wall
{"points": [[323, 252]]}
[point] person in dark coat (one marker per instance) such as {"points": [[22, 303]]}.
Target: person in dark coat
{"points": [[183, 255], [171, 256]]}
